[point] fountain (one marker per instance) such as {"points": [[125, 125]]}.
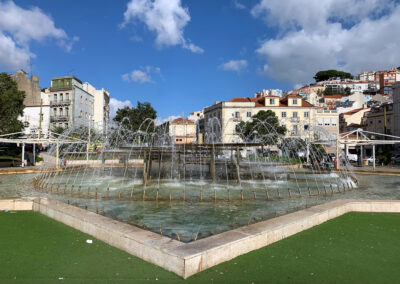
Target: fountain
{"points": [[190, 191]]}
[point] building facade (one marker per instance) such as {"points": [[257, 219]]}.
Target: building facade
{"points": [[327, 124], [29, 86], [379, 119], [36, 114], [70, 104], [220, 119], [396, 109], [101, 111], [36, 118], [180, 130]]}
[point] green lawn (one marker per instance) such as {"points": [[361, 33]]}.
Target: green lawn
{"points": [[354, 248]]}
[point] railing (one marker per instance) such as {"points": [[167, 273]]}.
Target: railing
{"points": [[55, 118], [294, 119], [60, 102], [326, 111]]}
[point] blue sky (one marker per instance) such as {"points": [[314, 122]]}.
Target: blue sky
{"points": [[183, 55]]}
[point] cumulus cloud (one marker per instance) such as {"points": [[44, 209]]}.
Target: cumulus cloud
{"points": [[313, 37], [160, 120], [166, 18], [117, 104], [234, 65], [142, 75], [18, 27]]}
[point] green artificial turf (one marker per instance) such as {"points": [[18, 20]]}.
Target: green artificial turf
{"points": [[354, 248]]}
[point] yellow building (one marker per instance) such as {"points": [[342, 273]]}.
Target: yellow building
{"points": [[296, 114]]}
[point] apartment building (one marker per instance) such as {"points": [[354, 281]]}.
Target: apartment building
{"points": [[367, 76], [387, 79], [379, 119], [327, 124], [296, 114], [70, 104], [101, 106]]}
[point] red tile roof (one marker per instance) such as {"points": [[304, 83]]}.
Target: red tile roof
{"points": [[336, 96], [260, 102], [352, 111], [182, 121]]}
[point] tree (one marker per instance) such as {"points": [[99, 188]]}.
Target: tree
{"points": [[263, 127], [134, 118], [11, 105], [327, 74]]}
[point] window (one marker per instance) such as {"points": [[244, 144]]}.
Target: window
{"points": [[295, 114], [61, 97], [54, 111], [320, 121], [271, 101], [283, 114], [237, 114], [249, 114], [81, 100], [306, 114], [295, 129], [371, 122], [379, 121], [295, 101], [333, 121], [61, 111], [85, 101], [66, 111], [81, 113], [388, 119], [66, 96], [306, 127], [55, 97], [327, 121]]}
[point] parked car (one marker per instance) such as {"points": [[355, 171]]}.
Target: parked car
{"points": [[371, 160], [352, 157], [397, 158]]}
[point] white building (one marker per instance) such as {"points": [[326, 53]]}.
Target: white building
{"points": [[101, 106], [37, 118], [70, 104]]}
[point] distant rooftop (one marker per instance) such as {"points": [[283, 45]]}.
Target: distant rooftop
{"points": [[67, 77]]}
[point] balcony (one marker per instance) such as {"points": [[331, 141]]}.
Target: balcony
{"points": [[294, 119], [59, 118], [60, 102]]}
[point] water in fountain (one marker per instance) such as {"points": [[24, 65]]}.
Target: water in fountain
{"points": [[143, 178]]}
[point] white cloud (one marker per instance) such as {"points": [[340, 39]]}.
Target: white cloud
{"points": [[142, 75], [18, 27], [239, 5], [160, 120], [167, 18], [234, 65], [117, 104], [316, 35]]}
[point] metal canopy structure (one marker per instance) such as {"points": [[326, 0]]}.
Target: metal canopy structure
{"points": [[360, 137], [53, 138]]}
